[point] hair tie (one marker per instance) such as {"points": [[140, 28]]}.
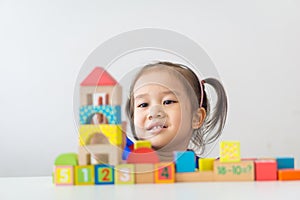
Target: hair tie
{"points": [[202, 82]]}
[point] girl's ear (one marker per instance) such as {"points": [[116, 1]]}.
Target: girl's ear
{"points": [[198, 118]]}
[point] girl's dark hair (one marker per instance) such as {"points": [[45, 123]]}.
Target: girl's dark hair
{"points": [[215, 118]]}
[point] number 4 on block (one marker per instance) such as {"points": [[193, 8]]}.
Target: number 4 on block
{"points": [[164, 173], [104, 174]]}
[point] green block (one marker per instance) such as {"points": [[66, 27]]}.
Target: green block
{"points": [[66, 159]]}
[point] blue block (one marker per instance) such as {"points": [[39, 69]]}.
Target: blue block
{"points": [[185, 161], [285, 163], [112, 113], [104, 174]]}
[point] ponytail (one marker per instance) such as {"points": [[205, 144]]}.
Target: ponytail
{"points": [[214, 122]]}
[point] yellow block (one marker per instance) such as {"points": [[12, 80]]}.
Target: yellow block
{"points": [[206, 164], [142, 143], [112, 132], [230, 151]]}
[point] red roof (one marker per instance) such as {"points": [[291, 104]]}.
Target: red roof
{"points": [[98, 77]]}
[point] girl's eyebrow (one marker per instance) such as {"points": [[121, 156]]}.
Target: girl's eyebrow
{"points": [[174, 92]]}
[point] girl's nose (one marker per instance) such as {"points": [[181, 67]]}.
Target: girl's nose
{"points": [[156, 112]]}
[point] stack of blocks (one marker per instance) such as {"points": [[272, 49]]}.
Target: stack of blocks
{"points": [[101, 138]]}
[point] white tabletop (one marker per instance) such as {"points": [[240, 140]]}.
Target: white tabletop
{"points": [[42, 188]]}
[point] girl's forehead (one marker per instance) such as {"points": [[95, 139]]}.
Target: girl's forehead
{"points": [[163, 78]]}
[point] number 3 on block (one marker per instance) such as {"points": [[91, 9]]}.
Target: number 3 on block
{"points": [[104, 174], [164, 173]]}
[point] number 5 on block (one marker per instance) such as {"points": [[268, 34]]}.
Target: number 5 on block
{"points": [[104, 174], [64, 175], [164, 173]]}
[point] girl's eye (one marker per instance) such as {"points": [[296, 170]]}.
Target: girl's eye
{"points": [[142, 105], [166, 102]]}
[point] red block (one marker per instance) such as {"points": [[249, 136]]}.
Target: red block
{"points": [[143, 155], [265, 170]]}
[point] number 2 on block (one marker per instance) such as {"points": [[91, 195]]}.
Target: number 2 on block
{"points": [[105, 175]]}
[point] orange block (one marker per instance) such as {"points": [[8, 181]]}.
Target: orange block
{"points": [[164, 173], [288, 174]]}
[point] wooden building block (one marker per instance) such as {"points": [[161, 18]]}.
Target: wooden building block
{"points": [[234, 171], [66, 159], [98, 77], [143, 155], [288, 174], [230, 151], [104, 174], [185, 161], [285, 163], [112, 132], [64, 175], [100, 81], [85, 175], [144, 173], [114, 94], [111, 113], [113, 153], [206, 164], [265, 170], [164, 172], [202, 176], [142, 143], [125, 174]]}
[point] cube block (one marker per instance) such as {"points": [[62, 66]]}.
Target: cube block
{"points": [[206, 164], [104, 174], [64, 175], [230, 151], [125, 174], [85, 175], [164, 173], [142, 143], [185, 161], [144, 173], [285, 163], [265, 170]]}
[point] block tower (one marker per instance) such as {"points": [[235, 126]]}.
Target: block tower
{"points": [[100, 131]]}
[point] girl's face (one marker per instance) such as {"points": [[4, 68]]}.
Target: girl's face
{"points": [[162, 110]]}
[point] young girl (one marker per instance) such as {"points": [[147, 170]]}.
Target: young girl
{"points": [[169, 107]]}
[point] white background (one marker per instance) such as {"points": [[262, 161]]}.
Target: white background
{"points": [[255, 46]]}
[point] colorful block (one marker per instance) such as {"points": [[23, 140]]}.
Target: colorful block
{"points": [[206, 164], [164, 173], [142, 143], [230, 151], [66, 159], [285, 163], [202, 176], [112, 113], [143, 155], [288, 174], [104, 174], [85, 175], [265, 170], [144, 173], [124, 174], [234, 171], [112, 132], [64, 175], [185, 161]]}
